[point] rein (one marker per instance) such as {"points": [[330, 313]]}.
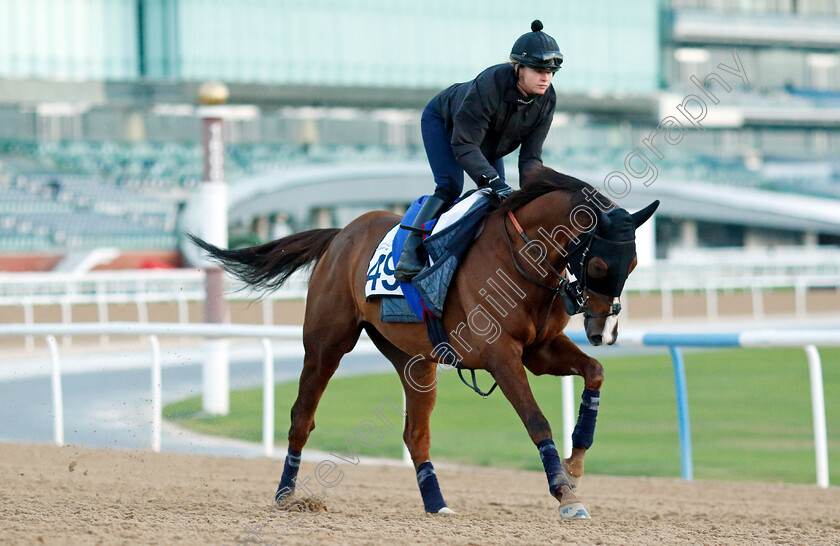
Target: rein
{"points": [[563, 282]]}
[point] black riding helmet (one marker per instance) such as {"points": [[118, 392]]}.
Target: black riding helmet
{"points": [[537, 50]]}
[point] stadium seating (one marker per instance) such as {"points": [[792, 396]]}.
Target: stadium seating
{"points": [[83, 193]]}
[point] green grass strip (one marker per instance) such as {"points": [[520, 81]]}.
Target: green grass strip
{"points": [[750, 417]]}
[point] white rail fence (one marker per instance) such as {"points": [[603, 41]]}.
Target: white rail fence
{"points": [[669, 283], [757, 270], [133, 287], [182, 287], [809, 340], [153, 331]]}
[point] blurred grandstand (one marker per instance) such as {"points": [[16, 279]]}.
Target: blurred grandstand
{"points": [[100, 143]]}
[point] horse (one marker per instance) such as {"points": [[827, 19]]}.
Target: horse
{"points": [[522, 253]]}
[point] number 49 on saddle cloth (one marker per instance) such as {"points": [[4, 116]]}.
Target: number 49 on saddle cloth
{"points": [[451, 237]]}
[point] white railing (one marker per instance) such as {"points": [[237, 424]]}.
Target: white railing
{"points": [[124, 286], [754, 270], [668, 282], [809, 339], [781, 259], [134, 287], [182, 287], [153, 331]]}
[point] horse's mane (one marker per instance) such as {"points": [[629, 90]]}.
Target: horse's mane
{"points": [[539, 181]]}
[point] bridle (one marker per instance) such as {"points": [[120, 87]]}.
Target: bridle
{"points": [[572, 293], [615, 306]]}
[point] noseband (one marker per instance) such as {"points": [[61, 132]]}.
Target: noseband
{"points": [[574, 300]]}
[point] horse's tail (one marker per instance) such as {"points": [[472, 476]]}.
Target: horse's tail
{"points": [[268, 266]]}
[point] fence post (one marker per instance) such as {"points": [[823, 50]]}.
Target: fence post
{"points": [[142, 308], [801, 291], [183, 310], [268, 311], [102, 309], [29, 320], [818, 409], [757, 302], [157, 396], [57, 398], [711, 303], [406, 455], [268, 398], [66, 318], [667, 303], [682, 413], [567, 388]]}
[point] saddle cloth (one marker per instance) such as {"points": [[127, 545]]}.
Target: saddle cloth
{"points": [[451, 236]]}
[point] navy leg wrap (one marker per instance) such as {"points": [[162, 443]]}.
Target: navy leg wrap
{"points": [[584, 433], [553, 468], [429, 488], [290, 472]]}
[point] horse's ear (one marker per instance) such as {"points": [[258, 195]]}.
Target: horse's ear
{"points": [[604, 221], [640, 217]]}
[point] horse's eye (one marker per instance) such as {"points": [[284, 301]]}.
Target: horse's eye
{"points": [[596, 268]]}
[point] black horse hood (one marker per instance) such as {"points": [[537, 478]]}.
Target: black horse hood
{"points": [[614, 241], [618, 225]]}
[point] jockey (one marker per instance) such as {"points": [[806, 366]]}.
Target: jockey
{"points": [[471, 126]]}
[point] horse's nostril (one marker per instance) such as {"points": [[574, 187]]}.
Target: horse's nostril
{"points": [[596, 340]]}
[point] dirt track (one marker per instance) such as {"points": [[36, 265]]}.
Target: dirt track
{"points": [[76, 495]]}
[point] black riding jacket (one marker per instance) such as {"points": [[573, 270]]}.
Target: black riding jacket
{"points": [[487, 118]]}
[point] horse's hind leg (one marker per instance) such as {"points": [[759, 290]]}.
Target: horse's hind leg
{"points": [[419, 379], [325, 341], [420, 385]]}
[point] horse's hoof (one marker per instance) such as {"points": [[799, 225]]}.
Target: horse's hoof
{"points": [[576, 510], [446, 511]]}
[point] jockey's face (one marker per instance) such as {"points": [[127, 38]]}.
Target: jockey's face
{"points": [[532, 81]]}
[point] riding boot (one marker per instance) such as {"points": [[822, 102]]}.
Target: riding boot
{"points": [[410, 263]]}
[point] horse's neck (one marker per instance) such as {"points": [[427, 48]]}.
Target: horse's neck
{"points": [[503, 272]]}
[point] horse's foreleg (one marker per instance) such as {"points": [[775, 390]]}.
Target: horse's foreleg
{"points": [[584, 432], [512, 380], [562, 357]]}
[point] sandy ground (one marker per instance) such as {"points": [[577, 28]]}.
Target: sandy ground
{"points": [[75, 495]]}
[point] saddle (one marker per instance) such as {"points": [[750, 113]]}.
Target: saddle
{"points": [[449, 239]]}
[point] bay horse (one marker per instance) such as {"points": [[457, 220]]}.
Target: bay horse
{"points": [[522, 252]]}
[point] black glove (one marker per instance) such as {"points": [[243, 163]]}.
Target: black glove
{"points": [[497, 186]]}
